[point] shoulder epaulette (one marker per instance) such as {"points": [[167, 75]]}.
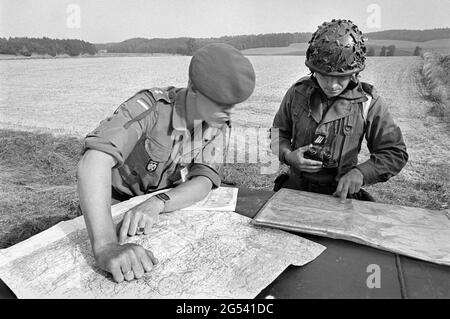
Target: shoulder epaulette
{"points": [[304, 86], [163, 94], [156, 94], [369, 91], [368, 88], [305, 79]]}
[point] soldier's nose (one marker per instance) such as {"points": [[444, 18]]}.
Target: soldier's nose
{"points": [[334, 84]]}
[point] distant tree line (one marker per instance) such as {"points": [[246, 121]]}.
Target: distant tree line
{"points": [[390, 51], [187, 46], [410, 35], [53, 47]]}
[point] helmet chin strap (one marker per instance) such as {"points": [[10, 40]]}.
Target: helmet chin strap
{"points": [[353, 82]]}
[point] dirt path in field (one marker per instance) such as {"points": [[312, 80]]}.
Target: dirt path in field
{"points": [[398, 81]]}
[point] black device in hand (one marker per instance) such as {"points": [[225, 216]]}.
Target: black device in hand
{"points": [[319, 152]]}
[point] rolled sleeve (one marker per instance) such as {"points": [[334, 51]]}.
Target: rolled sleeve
{"points": [[388, 153], [206, 171], [115, 138]]}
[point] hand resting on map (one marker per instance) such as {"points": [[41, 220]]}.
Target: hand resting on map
{"points": [[125, 262], [350, 183]]}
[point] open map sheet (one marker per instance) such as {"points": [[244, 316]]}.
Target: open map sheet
{"points": [[202, 254], [411, 231], [222, 199]]}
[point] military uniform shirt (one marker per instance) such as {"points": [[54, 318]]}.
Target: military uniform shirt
{"points": [[148, 137], [301, 116]]}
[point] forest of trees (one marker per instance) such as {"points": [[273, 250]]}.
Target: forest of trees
{"points": [[53, 47], [410, 35], [187, 46]]}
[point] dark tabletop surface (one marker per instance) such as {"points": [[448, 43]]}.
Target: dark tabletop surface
{"points": [[341, 271]]}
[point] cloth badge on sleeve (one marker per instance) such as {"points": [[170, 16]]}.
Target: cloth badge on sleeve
{"points": [[152, 166]]}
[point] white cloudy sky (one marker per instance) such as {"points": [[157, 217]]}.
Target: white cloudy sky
{"points": [[117, 20]]}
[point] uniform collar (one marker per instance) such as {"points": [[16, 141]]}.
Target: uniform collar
{"points": [[356, 94], [179, 111], [342, 104], [352, 92]]}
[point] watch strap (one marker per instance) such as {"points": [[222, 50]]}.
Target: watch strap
{"points": [[162, 196]]}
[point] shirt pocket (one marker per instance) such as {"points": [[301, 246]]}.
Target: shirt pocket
{"points": [[303, 126], [158, 158], [352, 133], [353, 124], [145, 166], [156, 150]]}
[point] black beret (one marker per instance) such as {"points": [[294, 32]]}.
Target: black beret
{"points": [[222, 73]]}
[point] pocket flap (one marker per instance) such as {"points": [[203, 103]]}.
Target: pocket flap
{"points": [[157, 151]]}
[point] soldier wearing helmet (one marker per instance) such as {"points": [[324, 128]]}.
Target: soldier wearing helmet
{"points": [[159, 138], [323, 118]]}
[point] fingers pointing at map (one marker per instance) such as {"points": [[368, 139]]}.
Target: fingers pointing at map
{"points": [[140, 219]]}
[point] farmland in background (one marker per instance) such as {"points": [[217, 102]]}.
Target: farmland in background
{"points": [[403, 48]]}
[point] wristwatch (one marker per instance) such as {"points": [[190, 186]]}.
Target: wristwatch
{"points": [[163, 197]]}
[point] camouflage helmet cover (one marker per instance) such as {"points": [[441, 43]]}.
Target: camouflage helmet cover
{"points": [[336, 49]]}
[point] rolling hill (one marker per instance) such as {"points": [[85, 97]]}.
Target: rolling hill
{"points": [[403, 48]]}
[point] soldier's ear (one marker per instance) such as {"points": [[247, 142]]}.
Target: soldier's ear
{"points": [[192, 92], [355, 77], [354, 80], [191, 96], [191, 86]]}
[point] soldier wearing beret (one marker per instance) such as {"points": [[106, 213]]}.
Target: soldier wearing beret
{"points": [[323, 118], [159, 138]]}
